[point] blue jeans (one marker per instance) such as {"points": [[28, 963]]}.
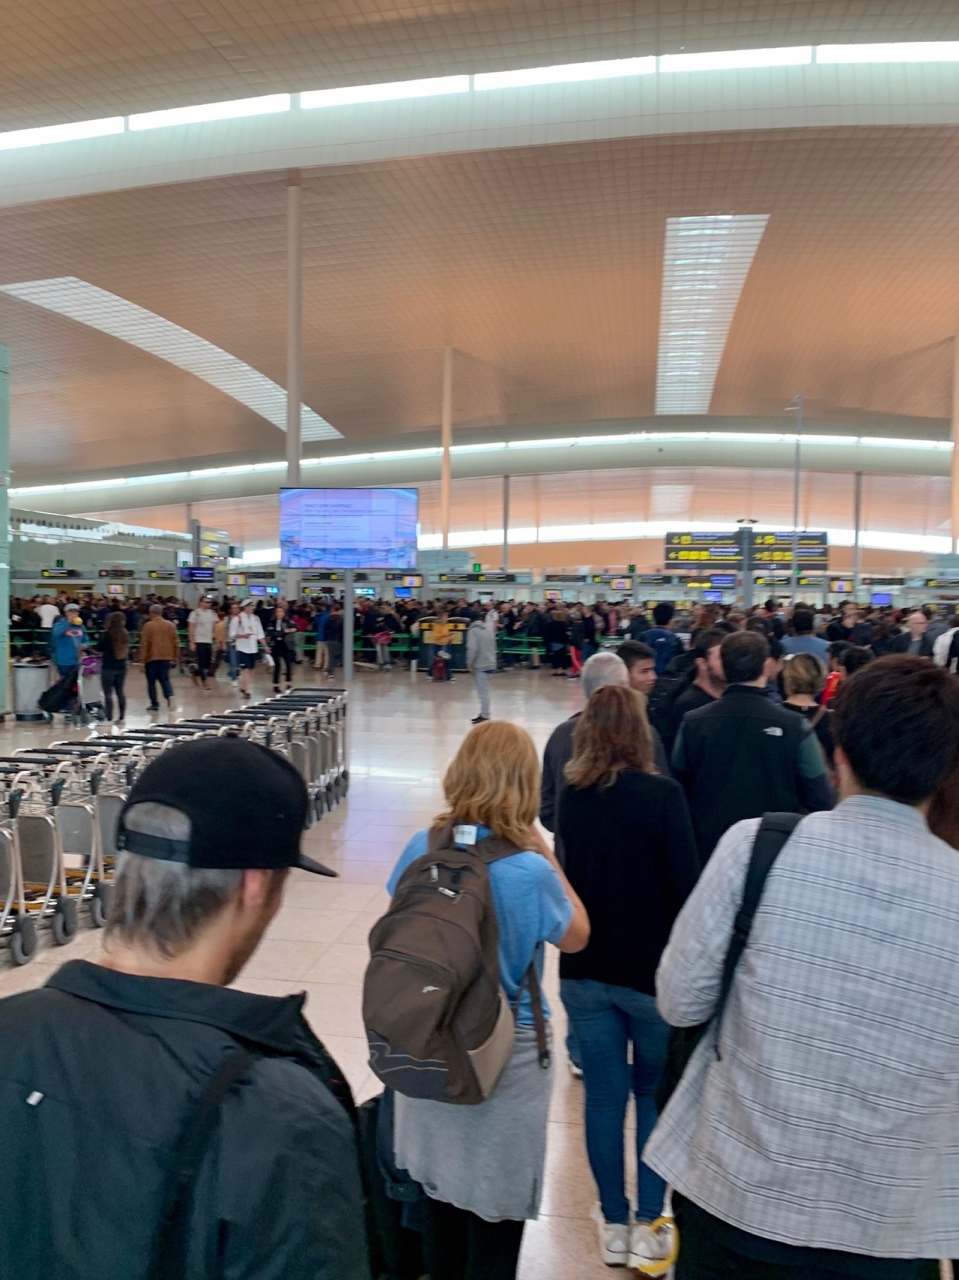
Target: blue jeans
{"points": [[605, 1019], [231, 659]]}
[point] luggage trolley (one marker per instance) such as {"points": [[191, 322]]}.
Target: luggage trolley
{"points": [[332, 703], [35, 834], [16, 925]]}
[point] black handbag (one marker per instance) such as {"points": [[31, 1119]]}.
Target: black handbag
{"points": [[774, 830]]}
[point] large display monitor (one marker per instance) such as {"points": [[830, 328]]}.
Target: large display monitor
{"points": [[348, 528]]}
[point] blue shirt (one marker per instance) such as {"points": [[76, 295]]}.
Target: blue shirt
{"points": [[320, 625], [67, 639], [807, 644], [664, 644], [531, 907]]}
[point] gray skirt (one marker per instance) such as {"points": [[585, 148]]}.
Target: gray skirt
{"points": [[488, 1158]]}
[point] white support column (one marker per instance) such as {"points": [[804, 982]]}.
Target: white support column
{"points": [[294, 345], [505, 523], [857, 534], [446, 439], [349, 606], [954, 504]]}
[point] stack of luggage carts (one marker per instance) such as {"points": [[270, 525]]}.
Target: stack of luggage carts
{"points": [[59, 805]]}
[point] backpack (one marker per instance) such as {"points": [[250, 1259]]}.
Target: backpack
{"points": [[773, 834], [437, 1020]]}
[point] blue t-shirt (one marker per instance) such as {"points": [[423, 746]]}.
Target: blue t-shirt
{"points": [[664, 644], [807, 644], [531, 907]]}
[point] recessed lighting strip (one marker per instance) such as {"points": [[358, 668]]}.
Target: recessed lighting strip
{"points": [[750, 438], [90, 305], [705, 264], [916, 51]]}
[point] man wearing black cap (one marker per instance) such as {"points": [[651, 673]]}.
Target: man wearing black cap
{"points": [[156, 1124]]}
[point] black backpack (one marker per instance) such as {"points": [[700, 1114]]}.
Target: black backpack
{"points": [[774, 831]]}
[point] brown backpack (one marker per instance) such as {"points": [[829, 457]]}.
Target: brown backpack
{"points": [[437, 1019]]}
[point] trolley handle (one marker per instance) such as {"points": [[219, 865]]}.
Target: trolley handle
{"points": [[56, 790]]}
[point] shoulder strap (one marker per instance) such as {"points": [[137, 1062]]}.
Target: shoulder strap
{"points": [[817, 716], [774, 830], [169, 1254]]}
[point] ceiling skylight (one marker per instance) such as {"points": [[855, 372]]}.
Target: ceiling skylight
{"points": [[732, 59], [909, 51], [90, 305], [48, 133], [566, 74], [438, 86], [270, 104], [705, 264]]}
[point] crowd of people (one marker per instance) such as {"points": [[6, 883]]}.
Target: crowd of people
{"points": [[754, 890]]}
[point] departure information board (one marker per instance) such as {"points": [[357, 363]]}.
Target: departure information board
{"points": [[705, 549]]}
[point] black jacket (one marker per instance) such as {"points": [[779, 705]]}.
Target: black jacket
{"points": [[743, 756], [631, 856], [558, 753], [118, 1062], [900, 644]]}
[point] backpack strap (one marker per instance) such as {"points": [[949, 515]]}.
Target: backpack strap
{"points": [[774, 831], [168, 1259], [815, 718], [531, 980]]}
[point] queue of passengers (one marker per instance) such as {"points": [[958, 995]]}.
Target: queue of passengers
{"points": [[752, 798]]}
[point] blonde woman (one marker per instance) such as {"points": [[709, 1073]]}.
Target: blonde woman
{"points": [[630, 852], [482, 1166]]}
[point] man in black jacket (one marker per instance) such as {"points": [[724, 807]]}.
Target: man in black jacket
{"points": [[916, 639], [103, 1069], [744, 755]]}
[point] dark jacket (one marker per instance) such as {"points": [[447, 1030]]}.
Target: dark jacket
{"points": [[117, 1062], [900, 644], [558, 753], [665, 644], [744, 756], [110, 660], [630, 854]]}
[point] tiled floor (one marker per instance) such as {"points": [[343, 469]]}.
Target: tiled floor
{"points": [[404, 730]]}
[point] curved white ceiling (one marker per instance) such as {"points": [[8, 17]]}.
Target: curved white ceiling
{"points": [[801, 87], [90, 305]]}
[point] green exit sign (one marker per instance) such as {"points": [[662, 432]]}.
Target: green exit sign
{"points": [[477, 568], [630, 568], [59, 564]]}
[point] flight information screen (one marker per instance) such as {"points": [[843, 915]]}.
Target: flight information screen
{"points": [[348, 528]]}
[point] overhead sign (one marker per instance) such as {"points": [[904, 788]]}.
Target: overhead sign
{"points": [[722, 581], [784, 580], [610, 579], [567, 577], [329, 575], [812, 548], [948, 580], [118, 573], [162, 575], [404, 579], [477, 577], [60, 573], [695, 548], [236, 579], [197, 574]]}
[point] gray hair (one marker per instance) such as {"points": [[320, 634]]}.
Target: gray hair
{"points": [[603, 669], [156, 610], [159, 905]]}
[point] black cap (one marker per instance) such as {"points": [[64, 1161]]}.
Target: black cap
{"points": [[243, 807]]}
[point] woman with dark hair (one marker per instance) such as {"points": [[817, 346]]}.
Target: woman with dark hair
{"points": [[631, 856], [114, 645]]}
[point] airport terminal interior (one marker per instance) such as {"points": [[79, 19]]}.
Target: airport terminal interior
{"points": [[370, 376]]}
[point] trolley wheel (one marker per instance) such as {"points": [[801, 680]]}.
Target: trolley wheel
{"points": [[344, 782], [64, 922], [100, 904], [23, 940]]}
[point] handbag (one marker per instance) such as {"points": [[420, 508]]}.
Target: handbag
{"points": [[774, 831], [383, 637]]}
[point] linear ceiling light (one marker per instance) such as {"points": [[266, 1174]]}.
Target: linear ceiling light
{"points": [[60, 133], [732, 59], [90, 305], [239, 108], [705, 264], [436, 87], [611, 69], [909, 51]]}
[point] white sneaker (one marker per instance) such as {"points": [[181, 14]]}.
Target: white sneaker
{"points": [[653, 1247], [614, 1243]]}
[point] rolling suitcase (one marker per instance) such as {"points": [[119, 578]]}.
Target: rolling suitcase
{"points": [[439, 668], [59, 696]]}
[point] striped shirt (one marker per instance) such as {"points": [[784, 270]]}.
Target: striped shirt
{"points": [[831, 1118]]}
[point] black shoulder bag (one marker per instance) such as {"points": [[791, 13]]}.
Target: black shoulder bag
{"points": [[774, 830], [168, 1259]]}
